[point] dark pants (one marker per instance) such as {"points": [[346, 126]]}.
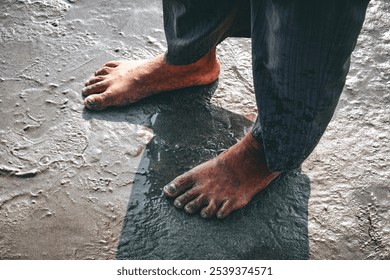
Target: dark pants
{"points": [[300, 54]]}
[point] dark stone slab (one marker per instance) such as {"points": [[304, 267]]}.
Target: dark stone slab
{"points": [[189, 130]]}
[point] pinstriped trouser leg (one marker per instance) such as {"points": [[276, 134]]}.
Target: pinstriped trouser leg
{"points": [[300, 53], [194, 27]]}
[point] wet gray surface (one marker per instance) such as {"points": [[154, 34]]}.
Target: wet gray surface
{"points": [[188, 131], [66, 174]]}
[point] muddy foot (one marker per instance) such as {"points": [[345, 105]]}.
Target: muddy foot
{"points": [[120, 83], [225, 183]]}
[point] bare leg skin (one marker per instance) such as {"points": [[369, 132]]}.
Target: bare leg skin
{"points": [[225, 183], [120, 83]]}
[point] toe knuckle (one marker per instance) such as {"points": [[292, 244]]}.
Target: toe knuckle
{"points": [[202, 199], [184, 197], [182, 179]]}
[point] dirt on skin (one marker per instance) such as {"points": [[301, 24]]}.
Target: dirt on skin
{"points": [[66, 173]]}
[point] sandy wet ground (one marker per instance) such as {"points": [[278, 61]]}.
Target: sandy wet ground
{"points": [[66, 174]]}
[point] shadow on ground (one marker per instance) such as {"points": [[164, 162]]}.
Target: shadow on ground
{"points": [[189, 130]]}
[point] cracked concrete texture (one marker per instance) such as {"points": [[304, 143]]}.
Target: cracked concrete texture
{"points": [[66, 173]]}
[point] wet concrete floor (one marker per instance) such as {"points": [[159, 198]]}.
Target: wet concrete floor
{"points": [[188, 131], [76, 184]]}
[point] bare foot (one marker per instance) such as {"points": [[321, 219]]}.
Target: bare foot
{"points": [[120, 83], [225, 183]]}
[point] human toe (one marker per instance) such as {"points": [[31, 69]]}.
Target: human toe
{"points": [[113, 63], [185, 198], [97, 102], [92, 105], [94, 80], [196, 204], [209, 211], [103, 71], [178, 186], [94, 88], [226, 209]]}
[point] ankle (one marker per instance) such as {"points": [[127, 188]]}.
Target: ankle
{"points": [[251, 143], [207, 64], [255, 150]]}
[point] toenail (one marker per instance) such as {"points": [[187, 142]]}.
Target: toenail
{"points": [[92, 105], [204, 214], [220, 216], [170, 188], [189, 208], [178, 204]]}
